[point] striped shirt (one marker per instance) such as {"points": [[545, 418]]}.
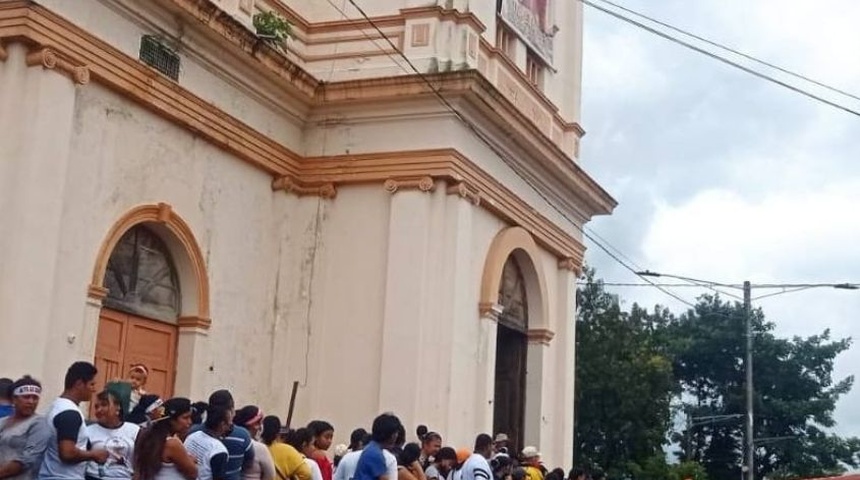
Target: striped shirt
{"points": [[476, 468], [240, 450]]}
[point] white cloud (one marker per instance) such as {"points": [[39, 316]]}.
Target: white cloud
{"points": [[722, 176]]}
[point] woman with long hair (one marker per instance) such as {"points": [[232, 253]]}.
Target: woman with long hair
{"points": [[323, 434], [408, 467], [262, 468], [158, 453], [112, 434], [289, 463], [303, 441], [24, 435]]}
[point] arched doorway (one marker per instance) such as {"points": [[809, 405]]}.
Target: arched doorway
{"points": [[514, 297], [511, 355], [138, 322]]}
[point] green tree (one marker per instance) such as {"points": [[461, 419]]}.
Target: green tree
{"points": [[794, 397], [624, 386]]}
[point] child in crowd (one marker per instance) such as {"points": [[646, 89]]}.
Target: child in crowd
{"points": [[137, 376]]}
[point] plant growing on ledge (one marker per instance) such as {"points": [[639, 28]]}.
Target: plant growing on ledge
{"points": [[272, 28]]}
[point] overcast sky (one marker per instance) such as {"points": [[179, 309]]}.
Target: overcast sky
{"points": [[722, 176]]}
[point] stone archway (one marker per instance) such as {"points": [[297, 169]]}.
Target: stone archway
{"points": [[514, 295], [183, 330]]}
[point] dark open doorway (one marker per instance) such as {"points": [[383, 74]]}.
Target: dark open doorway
{"points": [[511, 354]]}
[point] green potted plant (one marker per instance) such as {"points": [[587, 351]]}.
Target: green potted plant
{"points": [[272, 28]]}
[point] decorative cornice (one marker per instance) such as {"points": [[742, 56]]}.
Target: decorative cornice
{"points": [[571, 265], [37, 27], [192, 323], [466, 191], [49, 59], [540, 336], [293, 185], [423, 183], [97, 292], [490, 311]]}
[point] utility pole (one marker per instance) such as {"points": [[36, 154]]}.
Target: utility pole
{"points": [[750, 440], [689, 435]]}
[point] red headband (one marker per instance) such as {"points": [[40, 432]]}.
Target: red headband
{"points": [[255, 419]]}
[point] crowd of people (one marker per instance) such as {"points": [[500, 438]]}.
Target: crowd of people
{"points": [[138, 436]]}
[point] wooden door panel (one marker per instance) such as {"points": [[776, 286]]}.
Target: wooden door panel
{"points": [[124, 340], [110, 344], [153, 344]]}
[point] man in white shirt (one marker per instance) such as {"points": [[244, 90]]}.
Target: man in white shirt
{"points": [[67, 454], [476, 466]]}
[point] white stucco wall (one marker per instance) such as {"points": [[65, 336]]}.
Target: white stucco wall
{"points": [[369, 300]]}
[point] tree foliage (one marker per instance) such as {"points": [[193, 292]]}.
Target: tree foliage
{"points": [[639, 372], [794, 394], [624, 386]]}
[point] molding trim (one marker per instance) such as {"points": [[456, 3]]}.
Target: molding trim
{"points": [[541, 336], [97, 292], [290, 184], [192, 323], [423, 183], [490, 311], [33, 25], [163, 214], [570, 265], [49, 59], [465, 191], [515, 240], [3, 53]]}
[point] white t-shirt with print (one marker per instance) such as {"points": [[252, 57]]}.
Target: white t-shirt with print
{"points": [[119, 442], [203, 447]]}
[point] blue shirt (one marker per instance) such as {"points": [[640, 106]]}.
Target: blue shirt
{"points": [[371, 463], [240, 451], [6, 410]]}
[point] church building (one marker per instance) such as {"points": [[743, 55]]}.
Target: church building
{"points": [[379, 201]]}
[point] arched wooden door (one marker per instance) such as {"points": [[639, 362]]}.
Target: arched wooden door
{"points": [[138, 321], [511, 355]]}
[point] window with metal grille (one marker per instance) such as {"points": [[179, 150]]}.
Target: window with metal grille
{"points": [[159, 56]]}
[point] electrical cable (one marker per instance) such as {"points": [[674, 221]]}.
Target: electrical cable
{"points": [[731, 50], [498, 150], [714, 56]]}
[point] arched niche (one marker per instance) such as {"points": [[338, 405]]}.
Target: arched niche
{"points": [[185, 255], [515, 242]]}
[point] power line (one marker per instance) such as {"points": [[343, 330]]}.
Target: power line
{"points": [[731, 50], [496, 149], [786, 287], [749, 70]]}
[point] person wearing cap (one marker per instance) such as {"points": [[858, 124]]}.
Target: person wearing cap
{"points": [[23, 435], [500, 443], [346, 467], [159, 453], [148, 410], [531, 463]]}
